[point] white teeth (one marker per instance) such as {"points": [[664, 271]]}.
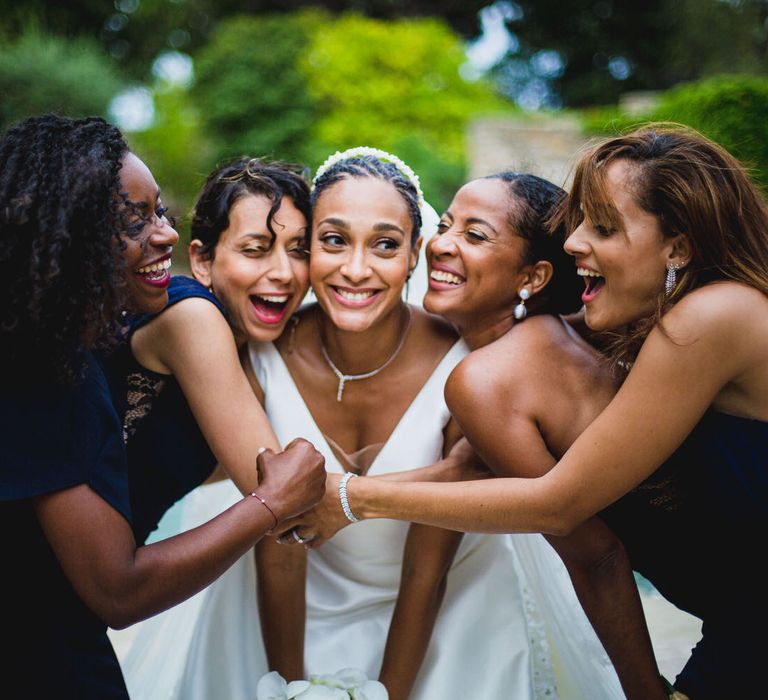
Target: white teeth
{"points": [[354, 296], [274, 298], [583, 272], [155, 267], [442, 276]]}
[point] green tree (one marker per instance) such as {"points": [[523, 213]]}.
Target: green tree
{"points": [[396, 85], [251, 96], [44, 73], [176, 149], [729, 109]]}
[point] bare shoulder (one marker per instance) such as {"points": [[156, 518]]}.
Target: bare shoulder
{"points": [[720, 307], [192, 315], [515, 365], [181, 326]]}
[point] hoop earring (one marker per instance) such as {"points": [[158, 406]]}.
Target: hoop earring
{"points": [[407, 286], [671, 281], [520, 312]]}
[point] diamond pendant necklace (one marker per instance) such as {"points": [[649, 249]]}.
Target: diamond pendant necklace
{"points": [[344, 378]]}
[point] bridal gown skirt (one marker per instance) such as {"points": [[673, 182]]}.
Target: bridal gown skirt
{"points": [[492, 639], [501, 636]]}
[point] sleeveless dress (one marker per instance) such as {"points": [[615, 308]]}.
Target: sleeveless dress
{"points": [[490, 640], [695, 529], [54, 438], [168, 455]]}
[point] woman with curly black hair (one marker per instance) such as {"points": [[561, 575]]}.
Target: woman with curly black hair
{"points": [[83, 235]]}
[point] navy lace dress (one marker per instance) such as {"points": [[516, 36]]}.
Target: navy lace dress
{"points": [[697, 530], [53, 439], [167, 453]]}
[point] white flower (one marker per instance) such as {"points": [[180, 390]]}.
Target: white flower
{"points": [[346, 684], [361, 151]]}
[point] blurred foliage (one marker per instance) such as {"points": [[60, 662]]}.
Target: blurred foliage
{"points": [[252, 98], [301, 86], [395, 85], [729, 109], [135, 31], [176, 150], [44, 73], [608, 47]]}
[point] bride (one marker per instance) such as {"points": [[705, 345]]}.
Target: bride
{"points": [[361, 375]]}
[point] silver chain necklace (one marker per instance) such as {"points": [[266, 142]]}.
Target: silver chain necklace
{"points": [[344, 378]]}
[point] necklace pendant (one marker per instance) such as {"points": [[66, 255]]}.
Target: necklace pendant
{"points": [[340, 392]]}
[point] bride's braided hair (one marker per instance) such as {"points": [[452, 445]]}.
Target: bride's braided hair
{"points": [[60, 221], [359, 166]]}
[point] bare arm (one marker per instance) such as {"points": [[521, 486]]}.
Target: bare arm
{"points": [[673, 382], [511, 443], [281, 574], [427, 558], [324, 520], [123, 584], [193, 341]]}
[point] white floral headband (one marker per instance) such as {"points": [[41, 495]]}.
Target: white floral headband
{"points": [[361, 151]]}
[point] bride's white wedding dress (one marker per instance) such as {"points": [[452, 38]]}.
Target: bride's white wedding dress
{"points": [[500, 628]]}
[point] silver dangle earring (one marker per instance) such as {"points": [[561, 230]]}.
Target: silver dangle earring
{"points": [[671, 280], [520, 312]]}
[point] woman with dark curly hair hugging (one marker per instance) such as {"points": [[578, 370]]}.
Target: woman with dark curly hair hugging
{"points": [[83, 235]]}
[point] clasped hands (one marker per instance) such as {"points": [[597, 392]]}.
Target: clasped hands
{"points": [[318, 524]]}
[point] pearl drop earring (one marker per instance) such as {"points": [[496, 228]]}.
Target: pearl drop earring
{"points": [[520, 312]]}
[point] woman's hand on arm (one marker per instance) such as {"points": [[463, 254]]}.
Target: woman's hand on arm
{"points": [[320, 523], [123, 584]]}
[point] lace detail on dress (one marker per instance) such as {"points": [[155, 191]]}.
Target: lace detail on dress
{"points": [[141, 392], [664, 493]]}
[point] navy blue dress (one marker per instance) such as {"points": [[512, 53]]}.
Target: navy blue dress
{"points": [[697, 530], [53, 439], [167, 453]]}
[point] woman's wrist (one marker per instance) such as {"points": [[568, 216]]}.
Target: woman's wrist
{"points": [[363, 494], [266, 505]]}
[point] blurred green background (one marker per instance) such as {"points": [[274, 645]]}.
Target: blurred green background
{"points": [[193, 82]]}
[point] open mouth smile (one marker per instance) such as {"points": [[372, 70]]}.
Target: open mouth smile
{"points": [[594, 283], [444, 279], [270, 309], [156, 274]]}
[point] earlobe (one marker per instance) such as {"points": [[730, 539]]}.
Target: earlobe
{"points": [[200, 263]]}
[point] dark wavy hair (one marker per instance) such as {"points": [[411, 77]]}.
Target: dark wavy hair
{"points": [[532, 203], [694, 187], [238, 178], [371, 166], [61, 278]]}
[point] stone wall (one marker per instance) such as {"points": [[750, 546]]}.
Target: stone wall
{"points": [[544, 145]]}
